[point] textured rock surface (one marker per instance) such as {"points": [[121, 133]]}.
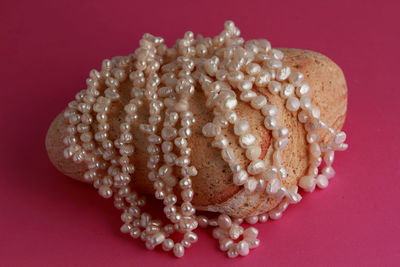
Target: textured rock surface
{"points": [[213, 187]]}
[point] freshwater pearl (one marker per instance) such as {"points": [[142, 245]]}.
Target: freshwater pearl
{"points": [[296, 78], [256, 167], [243, 248], [211, 130], [269, 110], [179, 250], [241, 127], [224, 221], [253, 152], [292, 103], [303, 89], [247, 140], [270, 123], [240, 177], [258, 102], [307, 183], [322, 181], [274, 87]]}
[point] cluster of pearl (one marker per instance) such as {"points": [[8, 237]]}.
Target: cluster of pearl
{"points": [[165, 79]]}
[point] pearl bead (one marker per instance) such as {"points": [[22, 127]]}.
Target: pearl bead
{"points": [[241, 127], [296, 78], [211, 130], [247, 96], [303, 89], [253, 152], [274, 87], [240, 177], [250, 185], [322, 181], [258, 102], [270, 123], [262, 78], [307, 183], [224, 221], [243, 248], [283, 73], [179, 250], [250, 233], [256, 167], [225, 243], [329, 157], [273, 186], [253, 68], [339, 138], [252, 219], [305, 102], [168, 244], [328, 171], [269, 110], [287, 90], [245, 85], [247, 140], [292, 104]]}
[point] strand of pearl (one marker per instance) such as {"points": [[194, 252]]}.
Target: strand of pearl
{"points": [[149, 58]]}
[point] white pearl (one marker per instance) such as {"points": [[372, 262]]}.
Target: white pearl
{"points": [[245, 85], [254, 243], [329, 157], [247, 96], [287, 90], [251, 185], [273, 186], [168, 244], [263, 78], [253, 152], [281, 132], [339, 138], [302, 116], [240, 177], [292, 103], [179, 250], [270, 173], [274, 87], [253, 68], [227, 155], [270, 123], [252, 219], [307, 183], [263, 218], [211, 130], [256, 167], [315, 112], [305, 102], [283, 73], [243, 248], [269, 110], [275, 63], [328, 171], [315, 150], [303, 89], [258, 102], [235, 231], [225, 243], [322, 181], [224, 221], [241, 127], [250, 233], [247, 140], [296, 78]]}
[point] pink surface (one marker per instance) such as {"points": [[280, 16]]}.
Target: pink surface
{"points": [[48, 48]]}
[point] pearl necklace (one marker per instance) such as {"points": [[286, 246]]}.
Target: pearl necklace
{"points": [[164, 79]]}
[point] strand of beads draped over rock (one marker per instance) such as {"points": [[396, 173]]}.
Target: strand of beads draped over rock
{"points": [[227, 70]]}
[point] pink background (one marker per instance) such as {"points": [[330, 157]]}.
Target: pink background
{"points": [[48, 48]]}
